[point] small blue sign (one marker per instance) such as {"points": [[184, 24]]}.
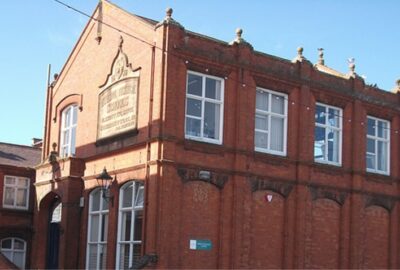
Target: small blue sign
{"points": [[200, 244]]}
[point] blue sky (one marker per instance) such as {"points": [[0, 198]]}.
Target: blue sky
{"points": [[37, 33]]}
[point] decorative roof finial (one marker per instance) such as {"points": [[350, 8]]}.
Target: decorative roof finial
{"points": [[396, 89], [239, 32], [321, 60], [168, 19], [299, 57], [239, 39], [169, 11], [352, 66]]}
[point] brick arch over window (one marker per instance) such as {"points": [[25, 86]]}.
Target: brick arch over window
{"points": [[65, 102]]}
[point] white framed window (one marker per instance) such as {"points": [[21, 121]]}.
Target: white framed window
{"points": [[16, 192], [378, 145], [204, 107], [328, 134], [69, 119], [270, 133], [96, 253], [130, 221], [15, 250]]}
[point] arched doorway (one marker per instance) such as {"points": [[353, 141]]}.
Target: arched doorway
{"points": [[53, 242]]}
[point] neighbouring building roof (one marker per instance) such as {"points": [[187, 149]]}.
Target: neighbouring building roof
{"points": [[6, 263], [19, 155]]}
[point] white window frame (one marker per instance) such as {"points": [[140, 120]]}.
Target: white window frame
{"points": [[99, 244], [326, 127], [377, 139], [15, 187], [269, 114], [66, 148], [132, 209], [203, 99], [12, 250]]}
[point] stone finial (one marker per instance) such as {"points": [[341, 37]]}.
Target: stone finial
{"points": [[168, 20], [352, 66], [299, 57], [168, 12], [239, 40], [396, 89], [321, 60]]}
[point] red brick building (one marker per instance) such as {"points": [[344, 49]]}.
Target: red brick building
{"points": [[17, 197], [221, 156]]}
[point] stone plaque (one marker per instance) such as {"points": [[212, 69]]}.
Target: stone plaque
{"points": [[117, 108], [118, 99]]}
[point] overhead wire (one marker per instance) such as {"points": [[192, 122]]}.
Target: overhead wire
{"points": [[292, 102]]}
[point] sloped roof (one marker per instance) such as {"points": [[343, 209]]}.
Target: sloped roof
{"points": [[19, 155]]}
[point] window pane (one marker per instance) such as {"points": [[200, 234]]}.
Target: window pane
{"points": [[6, 243], [261, 139], [371, 161], [19, 245], [74, 115], [126, 226], [193, 107], [127, 196], [104, 228], [319, 144], [124, 259], [334, 117], [73, 139], [213, 88], [262, 122], [277, 104], [137, 251], [10, 180], [9, 196], [21, 197], [19, 259], [95, 196], [276, 134], [333, 146], [103, 256], [211, 120], [193, 127], [194, 86], [371, 146], [262, 100], [92, 262], [67, 117], [382, 129], [138, 225], [104, 205], [320, 115], [371, 127], [94, 228], [139, 196], [382, 156], [23, 182]]}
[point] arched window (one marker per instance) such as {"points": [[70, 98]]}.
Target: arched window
{"points": [[68, 130], [130, 220], [15, 250], [96, 253]]}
